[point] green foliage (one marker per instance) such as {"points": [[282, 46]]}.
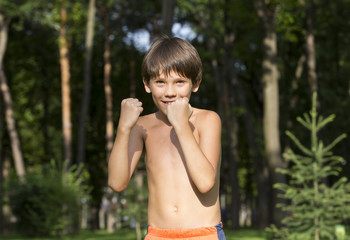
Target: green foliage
{"points": [[290, 20], [33, 72], [314, 207], [43, 205]]}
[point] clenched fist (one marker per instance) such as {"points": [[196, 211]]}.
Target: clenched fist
{"points": [[179, 111], [131, 108]]}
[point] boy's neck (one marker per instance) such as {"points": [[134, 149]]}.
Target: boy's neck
{"points": [[162, 117]]}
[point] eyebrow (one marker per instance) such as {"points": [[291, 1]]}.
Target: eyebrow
{"points": [[178, 78]]}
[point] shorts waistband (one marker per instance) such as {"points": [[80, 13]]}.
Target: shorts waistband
{"points": [[178, 233]]}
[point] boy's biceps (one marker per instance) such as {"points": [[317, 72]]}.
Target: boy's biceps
{"points": [[211, 142]]}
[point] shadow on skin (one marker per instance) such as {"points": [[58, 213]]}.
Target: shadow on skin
{"points": [[206, 199]]}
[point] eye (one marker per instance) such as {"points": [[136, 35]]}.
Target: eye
{"points": [[180, 82], [159, 82]]}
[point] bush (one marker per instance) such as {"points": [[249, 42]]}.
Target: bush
{"points": [[43, 205]]}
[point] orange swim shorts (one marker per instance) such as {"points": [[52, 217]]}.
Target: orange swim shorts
{"points": [[203, 233]]}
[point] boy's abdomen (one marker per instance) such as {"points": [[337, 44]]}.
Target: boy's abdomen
{"points": [[182, 208]]}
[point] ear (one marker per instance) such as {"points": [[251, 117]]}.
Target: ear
{"points": [[147, 86], [196, 87]]}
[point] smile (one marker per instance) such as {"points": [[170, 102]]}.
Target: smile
{"points": [[167, 102]]}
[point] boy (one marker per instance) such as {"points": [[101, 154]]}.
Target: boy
{"points": [[182, 146]]}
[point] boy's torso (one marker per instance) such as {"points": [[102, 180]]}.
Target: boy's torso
{"points": [[174, 201]]}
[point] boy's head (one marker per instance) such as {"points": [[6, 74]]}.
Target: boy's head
{"points": [[168, 55]]}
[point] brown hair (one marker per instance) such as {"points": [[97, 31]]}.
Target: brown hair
{"points": [[172, 54]]}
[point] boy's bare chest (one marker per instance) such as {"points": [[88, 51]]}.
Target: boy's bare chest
{"points": [[162, 145]]}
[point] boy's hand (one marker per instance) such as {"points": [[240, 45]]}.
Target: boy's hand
{"points": [[179, 112], [131, 108]]}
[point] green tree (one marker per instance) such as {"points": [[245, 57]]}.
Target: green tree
{"points": [[46, 207], [314, 207]]}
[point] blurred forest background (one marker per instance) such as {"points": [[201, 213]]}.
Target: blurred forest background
{"points": [[66, 65]]}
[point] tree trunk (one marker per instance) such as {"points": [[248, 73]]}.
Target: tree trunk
{"points": [[5, 207], [310, 47], [231, 126], [45, 121], [337, 31], [5, 91], [230, 118], [270, 77], [2, 130], [294, 95], [110, 213], [259, 165], [168, 7], [87, 84], [107, 86], [65, 88], [132, 70]]}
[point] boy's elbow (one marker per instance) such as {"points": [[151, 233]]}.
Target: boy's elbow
{"points": [[117, 186], [206, 186]]}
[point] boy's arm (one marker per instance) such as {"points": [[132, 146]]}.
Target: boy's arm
{"points": [[127, 147], [202, 158]]}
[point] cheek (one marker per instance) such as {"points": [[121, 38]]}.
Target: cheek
{"points": [[184, 92], [157, 92]]}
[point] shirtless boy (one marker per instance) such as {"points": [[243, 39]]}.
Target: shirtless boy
{"points": [[182, 147]]}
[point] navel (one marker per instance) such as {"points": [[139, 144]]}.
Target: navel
{"points": [[175, 209]]}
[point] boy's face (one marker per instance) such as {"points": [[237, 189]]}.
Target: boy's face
{"points": [[167, 89]]}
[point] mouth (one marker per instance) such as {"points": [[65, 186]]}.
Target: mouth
{"points": [[167, 102]]}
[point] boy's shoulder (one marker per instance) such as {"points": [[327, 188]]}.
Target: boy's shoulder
{"points": [[199, 117], [206, 116]]}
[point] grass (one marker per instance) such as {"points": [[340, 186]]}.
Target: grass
{"points": [[245, 234], [124, 234], [127, 234]]}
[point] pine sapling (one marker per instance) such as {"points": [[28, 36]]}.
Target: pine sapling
{"points": [[314, 207]]}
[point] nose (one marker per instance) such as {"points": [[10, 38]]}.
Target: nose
{"points": [[170, 91]]}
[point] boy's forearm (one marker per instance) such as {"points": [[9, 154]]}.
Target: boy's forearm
{"points": [[118, 163], [202, 172]]}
